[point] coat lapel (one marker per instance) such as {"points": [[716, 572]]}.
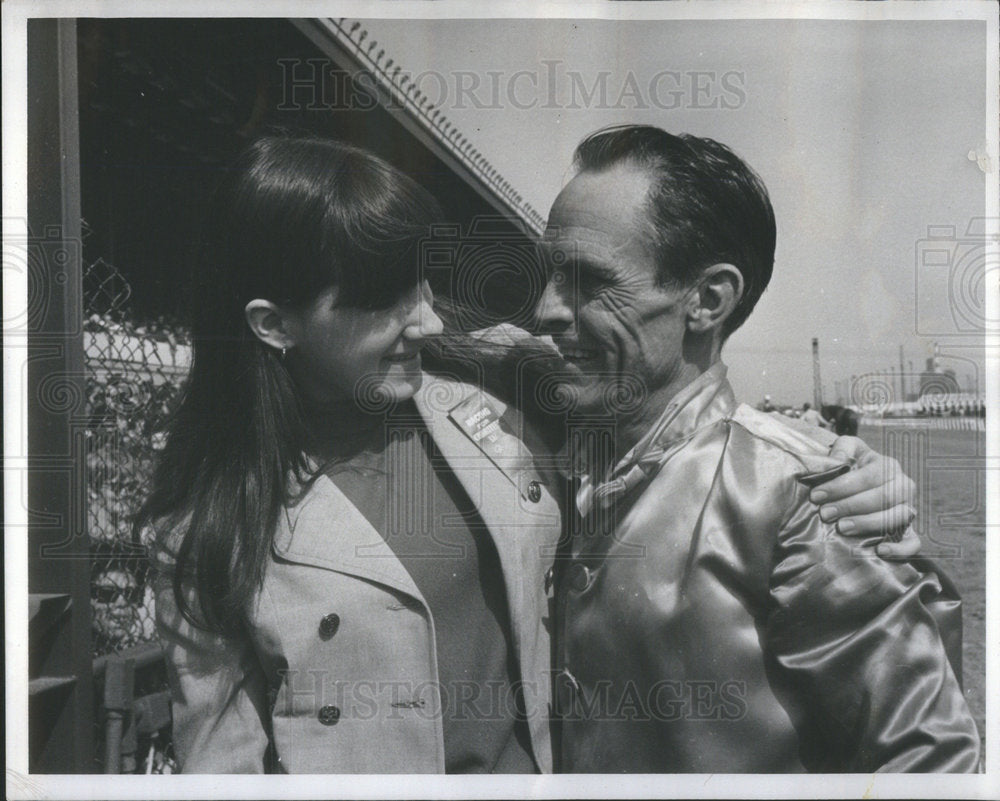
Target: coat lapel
{"points": [[525, 524], [490, 466], [326, 530]]}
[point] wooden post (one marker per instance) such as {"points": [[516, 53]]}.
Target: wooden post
{"points": [[61, 735]]}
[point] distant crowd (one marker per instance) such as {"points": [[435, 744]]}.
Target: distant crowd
{"points": [[845, 419]]}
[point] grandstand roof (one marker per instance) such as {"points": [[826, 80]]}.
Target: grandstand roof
{"points": [[348, 42]]}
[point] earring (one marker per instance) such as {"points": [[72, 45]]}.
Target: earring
{"points": [[283, 352]]}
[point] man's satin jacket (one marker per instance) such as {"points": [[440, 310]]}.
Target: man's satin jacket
{"points": [[713, 622]]}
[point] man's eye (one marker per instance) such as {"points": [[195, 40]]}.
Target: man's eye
{"points": [[590, 282]]}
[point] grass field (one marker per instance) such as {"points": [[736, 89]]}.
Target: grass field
{"points": [[949, 468]]}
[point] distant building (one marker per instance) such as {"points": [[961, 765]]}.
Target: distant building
{"points": [[935, 381]]}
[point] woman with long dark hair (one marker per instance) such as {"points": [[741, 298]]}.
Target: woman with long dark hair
{"points": [[311, 624], [353, 557]]}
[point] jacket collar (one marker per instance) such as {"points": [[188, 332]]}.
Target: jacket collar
{"points": [[324, 529], [467, 425], [705, 400], [702, 402]]}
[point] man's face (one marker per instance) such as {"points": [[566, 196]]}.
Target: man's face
{"points": [[617, 330], [115, 601]]}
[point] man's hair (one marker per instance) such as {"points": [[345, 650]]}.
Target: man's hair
{"points": [[706, 206]]}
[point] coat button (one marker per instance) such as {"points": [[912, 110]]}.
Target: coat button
{"points": [[328, 626], [534, 492], [580, 577], [329, 715]]}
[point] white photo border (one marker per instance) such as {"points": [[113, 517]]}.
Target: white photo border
{"points": [[21, 784]]}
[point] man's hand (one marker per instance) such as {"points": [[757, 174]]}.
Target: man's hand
{"points": [[877, 497]]}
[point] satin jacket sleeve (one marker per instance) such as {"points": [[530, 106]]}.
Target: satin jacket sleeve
{"points": [[857, 639], [218, 694]]}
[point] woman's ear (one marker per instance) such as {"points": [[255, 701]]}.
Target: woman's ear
{"points": [[719, 291], [270, 324]]}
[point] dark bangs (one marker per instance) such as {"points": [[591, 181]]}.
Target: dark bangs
{"points": [[298, 215], [376, 223]]}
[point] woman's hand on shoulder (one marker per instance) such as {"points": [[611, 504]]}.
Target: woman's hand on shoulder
{"points": [[876, 497]]}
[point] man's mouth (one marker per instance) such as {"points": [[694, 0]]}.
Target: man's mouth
{"points": [[575, 355]]}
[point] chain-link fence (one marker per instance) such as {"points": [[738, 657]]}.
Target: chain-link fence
{"points": [[133, 373]]}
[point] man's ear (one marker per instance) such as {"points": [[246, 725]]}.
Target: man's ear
{"points": [[270, 323], [719, 290]]}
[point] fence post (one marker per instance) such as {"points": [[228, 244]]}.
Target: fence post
{"points": [[61, 735], [119, 686]]}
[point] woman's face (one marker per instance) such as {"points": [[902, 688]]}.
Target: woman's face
{"points": [[341, 353]]}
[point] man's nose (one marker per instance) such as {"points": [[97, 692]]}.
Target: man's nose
{"points": [[554, 314]]}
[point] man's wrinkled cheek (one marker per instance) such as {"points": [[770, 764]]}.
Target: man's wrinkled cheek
{"points": [[619, 305], [600, 320]]}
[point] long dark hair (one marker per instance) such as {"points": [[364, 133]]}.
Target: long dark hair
{"points": [[292, 217]]}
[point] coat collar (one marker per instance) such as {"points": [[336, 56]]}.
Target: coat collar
{"points": [[467, 424], [323, 528], [705, 400], [702, 402]]}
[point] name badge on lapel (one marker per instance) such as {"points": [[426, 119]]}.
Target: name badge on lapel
{"points": [[479, 420]]}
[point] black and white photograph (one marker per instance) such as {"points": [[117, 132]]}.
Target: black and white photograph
{"points": [[432, 399]]}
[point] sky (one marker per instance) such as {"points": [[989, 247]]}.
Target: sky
{"points": [[865, 133]]}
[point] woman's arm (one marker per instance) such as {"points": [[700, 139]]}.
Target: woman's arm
{"points": [[218, 694], [855, 639]]}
